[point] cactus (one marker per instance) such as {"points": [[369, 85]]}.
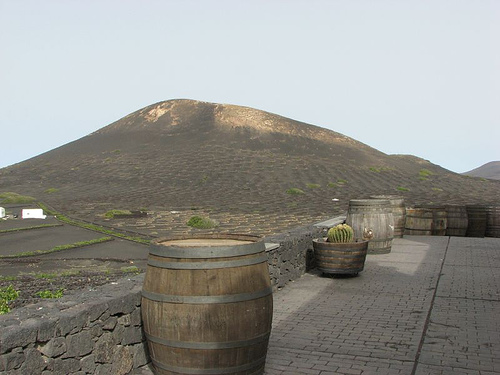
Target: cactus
{"points": [[342, 233]]}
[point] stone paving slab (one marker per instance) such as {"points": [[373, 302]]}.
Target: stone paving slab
{"points": [[463, 335]]}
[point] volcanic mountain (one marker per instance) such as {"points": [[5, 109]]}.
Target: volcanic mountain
{"points": [[489, 170], [251, 171]]}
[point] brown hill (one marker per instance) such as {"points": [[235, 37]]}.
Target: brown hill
{"points": [[236, 165], [489, 170]]}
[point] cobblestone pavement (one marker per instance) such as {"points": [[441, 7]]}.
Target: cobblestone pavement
{"points": [[430, 307]]}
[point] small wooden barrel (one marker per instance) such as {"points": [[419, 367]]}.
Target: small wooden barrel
{"points": [[340, 258], [398, 212], [493, 221], [374, 214], [456, 224], [476, 217], [207, 305], [426, 221]]}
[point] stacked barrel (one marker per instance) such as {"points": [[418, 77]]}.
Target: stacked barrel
{"points": [[466, 220], [471, 220]]}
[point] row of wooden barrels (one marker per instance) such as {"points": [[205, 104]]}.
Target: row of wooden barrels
{"points": [[388, 217]]}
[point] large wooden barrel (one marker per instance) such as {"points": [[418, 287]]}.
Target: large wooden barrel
{"points": [[398, 212], [340, 258], [476, 217], [207, 305], [456, 224], [374, 214], [493, 221], [426, 221]]}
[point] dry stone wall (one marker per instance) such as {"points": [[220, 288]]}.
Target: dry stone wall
{"points": [[100, 331], [93, 332]]}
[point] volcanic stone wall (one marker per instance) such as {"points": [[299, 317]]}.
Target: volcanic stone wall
{"points": [[292, 254], [94, 332], [100, 331]]}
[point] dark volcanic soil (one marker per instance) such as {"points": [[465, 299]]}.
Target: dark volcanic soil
{"points": [[29, 286]]}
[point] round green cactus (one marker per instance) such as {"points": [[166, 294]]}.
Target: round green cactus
{"points": [[341, 233]]}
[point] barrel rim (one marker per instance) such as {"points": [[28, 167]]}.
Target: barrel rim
{"points": [[256, 246], [395, 200], [369, 202]]}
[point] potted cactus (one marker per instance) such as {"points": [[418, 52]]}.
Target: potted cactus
{"points": [[338, 253]]}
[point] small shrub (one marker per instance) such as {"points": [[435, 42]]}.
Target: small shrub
{"points": [[51, 191], [295, 191], [6, 295], [341, 181], [373, 169], [112, 213], [313, 186], [425, 173], [401, 188], [332, 185], [49, 294], [199, 222], [131, 269]]}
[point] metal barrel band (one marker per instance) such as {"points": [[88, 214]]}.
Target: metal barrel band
{"points": [[382, 239], [209, 371], [208, 265], [328, 257], [195, 300], [208, 345], [208, 252]]}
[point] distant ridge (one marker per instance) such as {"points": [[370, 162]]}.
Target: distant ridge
{"points": [[489, 170], [249, 170]]}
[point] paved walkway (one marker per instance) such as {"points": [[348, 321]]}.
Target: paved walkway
{"points": [[431, 306]]}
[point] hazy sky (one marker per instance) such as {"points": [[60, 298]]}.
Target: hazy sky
{"points": [[411, 77]]}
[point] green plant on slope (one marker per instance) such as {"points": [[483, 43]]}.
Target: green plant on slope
{"points": [[131, 269], [7, 295], [295, 191], [112, 213], [50, 294], [425, 173], [201, 222]]}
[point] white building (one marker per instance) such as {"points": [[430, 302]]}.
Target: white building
{"points": [[32, 213]]}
